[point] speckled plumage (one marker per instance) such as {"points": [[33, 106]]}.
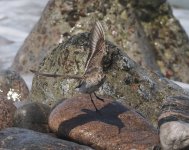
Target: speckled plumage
{"points": [[94, 77]]}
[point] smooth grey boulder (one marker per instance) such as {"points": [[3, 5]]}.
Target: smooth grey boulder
{"points": [[174, 123], [24, 139]]}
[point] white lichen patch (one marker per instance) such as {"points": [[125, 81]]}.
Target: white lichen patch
{"points": [[67, 85], [61, 39], [13, 95], [1, 90], [65, 88]]}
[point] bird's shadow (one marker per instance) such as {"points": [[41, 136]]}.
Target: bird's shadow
{"points": [[109, 114]]}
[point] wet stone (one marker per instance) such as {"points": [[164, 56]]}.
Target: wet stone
{"points": [[12, 86], [17, 139], [7, 110], [32, 116], [113, 127]]}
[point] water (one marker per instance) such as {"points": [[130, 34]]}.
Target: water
{"points": [[180, 3], [182, 16], [17, 18]]}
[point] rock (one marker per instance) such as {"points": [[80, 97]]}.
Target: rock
{"points": [[19, 104], [115, 127], [174, 123], [144, 29], [24, 139], [174, 135], [7, 110], [169, 39], [32, 116], [142, 89], [12, 86]]}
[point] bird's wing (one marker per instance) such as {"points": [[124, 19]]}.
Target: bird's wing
{"points": [[97, 47]]}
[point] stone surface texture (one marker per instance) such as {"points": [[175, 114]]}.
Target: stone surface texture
{"points": [[7, 110], [13, 86], [113, 127], [24, 139], [147, 31], [174, 123], [32, 116]]}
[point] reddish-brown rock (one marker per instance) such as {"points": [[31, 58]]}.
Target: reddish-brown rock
{"points": [[115, 127], [7, 110], [12, 86]]}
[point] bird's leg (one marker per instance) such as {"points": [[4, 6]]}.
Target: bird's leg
{"points": [[93, 103], [98, 97]]}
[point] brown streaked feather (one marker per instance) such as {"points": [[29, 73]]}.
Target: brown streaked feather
{"points": [[56, 75], [97, 48]]}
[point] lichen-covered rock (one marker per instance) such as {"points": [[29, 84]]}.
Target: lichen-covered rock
{"points": [[12, 86], [145, 29], [169, 39], [68, 18], [141, 88], [24, 139], [7, 110], [113, 127], [32, 116]]}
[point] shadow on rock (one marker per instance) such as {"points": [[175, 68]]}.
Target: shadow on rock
{"points": [[109, 114], [114, 127]]}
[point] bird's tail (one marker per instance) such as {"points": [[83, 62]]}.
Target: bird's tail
{"points": [[57, 75]]}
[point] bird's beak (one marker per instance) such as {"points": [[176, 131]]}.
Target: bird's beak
{"points": [[78, 86]]}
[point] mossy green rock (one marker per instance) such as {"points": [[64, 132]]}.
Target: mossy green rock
{"points": [[143, 89]]}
